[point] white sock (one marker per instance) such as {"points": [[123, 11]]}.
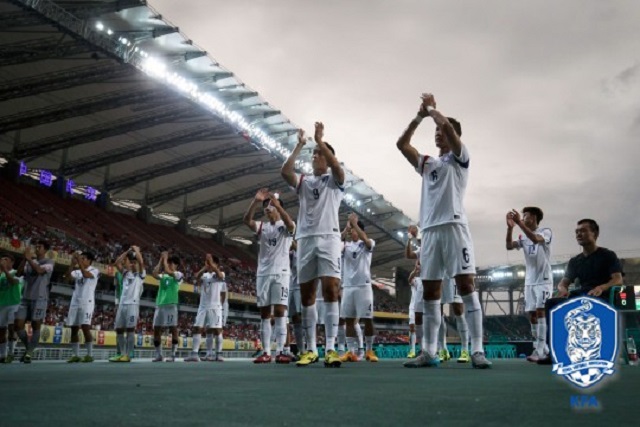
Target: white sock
{"points": [[359, 335], [369, 342], [209, 344], [219, 342], [442, 335], [473, 314], [3, 349], [265, 335], [412, 341], [131, 342], [281, 333], [342, 337], [542, 336], [431, 320], [352, 344], [463, 330], [420, 335], [89, 346], [331, 320], [309, 322], [174, 349], [534, 333], [12, 346], [197, 339], [121, 344], [287, 350], [298, 332], [75, 347]]}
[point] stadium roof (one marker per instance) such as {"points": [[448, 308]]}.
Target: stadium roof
{"points": [[113, 96]]}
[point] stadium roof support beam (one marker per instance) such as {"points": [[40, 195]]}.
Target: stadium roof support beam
{"points": [[236, 196], [141, 35], [79, 107], [105, 130], [20, 19], [148, 146], [90, 9], [384, 216], [176, 165], [226, 175], [385, 259], [64, 79]]}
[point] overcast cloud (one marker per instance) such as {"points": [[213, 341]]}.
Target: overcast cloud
{"points": [[548, 94]]}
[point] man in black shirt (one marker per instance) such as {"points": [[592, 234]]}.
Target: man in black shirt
{"points": [[596, 270]]}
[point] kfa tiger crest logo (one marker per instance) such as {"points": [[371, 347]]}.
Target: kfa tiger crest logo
{"points": [[584, 339]]}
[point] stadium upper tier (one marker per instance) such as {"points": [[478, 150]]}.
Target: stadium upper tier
{"points": [[108, 98]]}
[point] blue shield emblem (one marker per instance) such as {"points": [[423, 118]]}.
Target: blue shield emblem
{"points": [[584, 339]]}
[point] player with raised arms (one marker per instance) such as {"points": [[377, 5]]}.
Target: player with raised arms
{"points": [[447, 247], [318, 237]]}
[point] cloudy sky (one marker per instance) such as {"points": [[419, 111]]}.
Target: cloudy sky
{"points": [[548, 94]]}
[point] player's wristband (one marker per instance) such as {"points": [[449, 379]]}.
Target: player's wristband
{"points": [[418, 119]]}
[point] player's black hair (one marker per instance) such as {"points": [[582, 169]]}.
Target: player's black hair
{"points": [[330, 147], [361, 225], [89, 255], [534, 211], [456, 125], [44, 243], [216, 259], [174, 259], [593, 225], [266, 202], [8, 255]]}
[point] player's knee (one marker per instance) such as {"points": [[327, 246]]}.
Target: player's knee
{"points": [[458, 309], [279, 311], [432, 294], [465, 284]]}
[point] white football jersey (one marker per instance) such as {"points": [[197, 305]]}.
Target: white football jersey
{"points": [[275, 241], [320, 198], [537, 257], [210, 287], [85, 288], [132, 286], [416, 289], [444, 181], [357, 264]]}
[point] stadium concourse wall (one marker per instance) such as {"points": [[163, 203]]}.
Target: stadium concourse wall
{"points": [[109, 271]]}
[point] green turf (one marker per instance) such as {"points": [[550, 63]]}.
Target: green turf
{"points": [[238, 393]]}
